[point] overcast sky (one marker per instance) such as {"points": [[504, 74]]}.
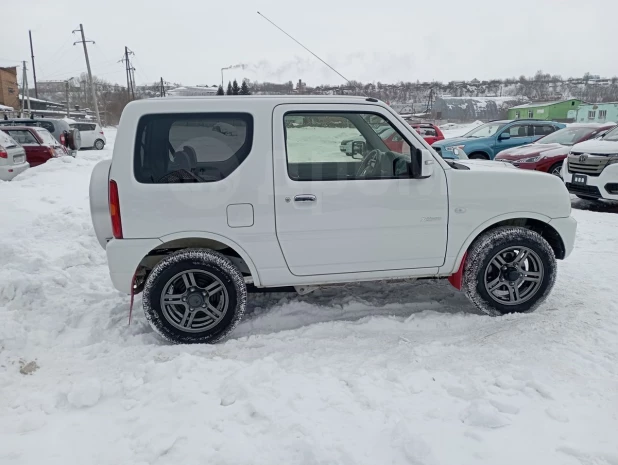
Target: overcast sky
{"points": [[189, 41]]}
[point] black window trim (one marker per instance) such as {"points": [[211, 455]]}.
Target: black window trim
{"points": [[246, 148], [335, 112]]}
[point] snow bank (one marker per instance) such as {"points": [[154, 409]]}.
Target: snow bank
{"points": [[405, 373]]}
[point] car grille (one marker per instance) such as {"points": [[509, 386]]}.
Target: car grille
{"points": [[589, 191], [591, 164]]}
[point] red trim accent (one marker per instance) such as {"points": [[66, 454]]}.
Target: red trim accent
{"points": [[456, 279], [132, 297]]}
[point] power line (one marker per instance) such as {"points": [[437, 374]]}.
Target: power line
{"points": [[94, 94]]}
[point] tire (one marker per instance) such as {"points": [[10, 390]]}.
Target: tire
{"points": [[99, 144], [555, 169], [219, 297], [74, 139], [478, 156], [533, 285]]}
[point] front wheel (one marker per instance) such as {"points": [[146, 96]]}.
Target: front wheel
{"points": [[556, 170], [509, 270], [194, 296], [99, 144]]}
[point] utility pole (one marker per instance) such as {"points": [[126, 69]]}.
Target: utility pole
{"points": [[128, 68], [94, 93], [66, 92], [23, 88], [162, 88], [36, 89], [26, 91]]}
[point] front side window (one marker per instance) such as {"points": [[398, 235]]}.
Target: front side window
{"points": [[23, 137], [191, 147], [344, 146]]}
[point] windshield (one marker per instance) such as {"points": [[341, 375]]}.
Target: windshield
{"points": [[567, 136], [47, 138], [6, 141], [612, 135], [485, 130]]}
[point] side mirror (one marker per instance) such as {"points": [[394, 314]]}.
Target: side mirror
{"points": [[505, 136], [358, 147], [421, 164]]}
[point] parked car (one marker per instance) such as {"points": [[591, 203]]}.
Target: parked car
{"points": [[280, 207], [548, 153], [39, 144], [12, 158], [591, 168], [92, 135], [486, 141], [393, 140], [59, 128], [430, 132]]}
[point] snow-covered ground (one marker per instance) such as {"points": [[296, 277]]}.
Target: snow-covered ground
{"points": [[363, 374]]}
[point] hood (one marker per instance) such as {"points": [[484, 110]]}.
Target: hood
{"points": [[456, 141], [601, 146], [486, 165], [531, 150]]}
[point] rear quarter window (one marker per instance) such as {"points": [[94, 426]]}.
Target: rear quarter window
{"points": [[194, 147]]}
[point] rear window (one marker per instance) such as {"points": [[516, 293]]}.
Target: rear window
{"points": [[47, 125], [6, 141], [194, 147], [47, 138]]}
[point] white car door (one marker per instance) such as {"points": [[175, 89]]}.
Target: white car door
{"points": [[330, 219]]}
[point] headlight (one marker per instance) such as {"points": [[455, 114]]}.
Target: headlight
{"points": [[531, 160], [453, 147]]}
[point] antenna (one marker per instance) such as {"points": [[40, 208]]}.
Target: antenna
{"points": [[345, 78]]}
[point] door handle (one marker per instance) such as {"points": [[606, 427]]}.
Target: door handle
{"points": [[305, 198]]}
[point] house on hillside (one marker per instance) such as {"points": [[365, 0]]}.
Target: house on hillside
{"points": [[597, 112], [559, 110], [466, 109]]}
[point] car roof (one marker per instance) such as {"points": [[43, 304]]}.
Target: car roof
{"points": [[20, 128]]}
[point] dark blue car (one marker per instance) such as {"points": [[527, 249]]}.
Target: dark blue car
{"points": [[487, 140]]}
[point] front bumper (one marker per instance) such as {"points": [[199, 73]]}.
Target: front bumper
{"points": [[567, 228], [595, 186], [8, 172]]}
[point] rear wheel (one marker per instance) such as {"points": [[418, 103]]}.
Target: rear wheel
{"points": [[99, 144], [478, 156], [509, 270], [194, 296]]}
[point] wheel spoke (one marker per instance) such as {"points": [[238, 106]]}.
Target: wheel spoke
{"points": [[498, 261], [173, 299], [532, 276], [187, 318], [511, 293], [521, 257], [495, 284], [516, 296], [189, 280], [212, 311], [214, 288]]}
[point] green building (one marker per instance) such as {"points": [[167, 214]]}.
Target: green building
{"points": [[598, 113], [561, 110]]}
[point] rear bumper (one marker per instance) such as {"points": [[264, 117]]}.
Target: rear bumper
{"points": [[8, 172], [123, 258], [604, 186], [567, 228]]}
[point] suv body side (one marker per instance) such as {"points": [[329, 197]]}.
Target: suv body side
{"points": [[284, 231], [520, 132]]}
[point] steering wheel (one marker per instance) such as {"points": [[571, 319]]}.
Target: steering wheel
{"points": [[369, 163]]}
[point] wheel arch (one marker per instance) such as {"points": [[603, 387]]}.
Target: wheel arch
{"points": [[197, 239], [534, 221], [480, 152]]}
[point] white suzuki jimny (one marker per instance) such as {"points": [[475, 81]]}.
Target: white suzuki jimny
{"points": [[206, 195]]}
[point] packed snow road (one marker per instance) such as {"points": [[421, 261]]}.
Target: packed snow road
{"points": [[363, 374]]}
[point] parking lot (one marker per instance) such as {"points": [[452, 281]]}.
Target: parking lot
{"points": [[365, 373]]}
